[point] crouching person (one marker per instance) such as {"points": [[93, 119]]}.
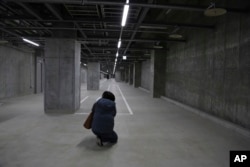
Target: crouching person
{"points": [[103, 119]]}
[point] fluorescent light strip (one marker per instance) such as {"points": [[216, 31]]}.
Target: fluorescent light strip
{"points": [[125, 15], [116, 54], [119, 44], [31, 42]]}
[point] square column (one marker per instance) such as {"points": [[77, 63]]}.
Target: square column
{"points": [[137, 74], [39, 70], [122, 75], [93, 76], [126, 71], [118, 77], [131, 71], [157, 73], [62, 75]]}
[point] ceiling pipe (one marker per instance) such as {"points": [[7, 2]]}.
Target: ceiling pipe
{"points": [[145, 5]]}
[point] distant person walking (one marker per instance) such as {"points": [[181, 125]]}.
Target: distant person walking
{"points": [[103, 119]]}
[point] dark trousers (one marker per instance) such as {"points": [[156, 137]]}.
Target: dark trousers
{"points": [[107, 137]]}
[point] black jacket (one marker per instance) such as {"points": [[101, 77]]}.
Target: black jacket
{"points": [[104, 113]]}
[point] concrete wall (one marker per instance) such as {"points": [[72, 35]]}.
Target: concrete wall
{"points": [[39, 81], [137, 74], [39, 70], [83, 74], [118, 77], [17, 67], [145, 75], [211, 71], [93, 76], [131, 74], [62, 75]]}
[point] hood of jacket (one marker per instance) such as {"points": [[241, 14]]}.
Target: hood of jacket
{"points": [[105, 103]]}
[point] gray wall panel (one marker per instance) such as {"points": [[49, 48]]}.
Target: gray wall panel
{"points": [[211, 71], [145, 75], [17, 66]]}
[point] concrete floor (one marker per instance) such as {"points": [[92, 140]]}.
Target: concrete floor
{"points": [[152, 133]]}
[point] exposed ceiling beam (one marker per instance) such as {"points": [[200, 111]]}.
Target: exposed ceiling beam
{"points": [[10, 32], [130, 49], [58, 16], [85, 37], [142, 16], [85, 29], [97, 21], [30, 11], [112, 59], [145, 5], [77, 25], [137, 40], [89, 40]]}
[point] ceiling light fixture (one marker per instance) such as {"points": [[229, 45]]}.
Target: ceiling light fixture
{"points": [[31, 42], [175, 36], [158, 47], [119, 43], [124, 57], [212, 11], [125, 15], [153, 27], [117, 54]]}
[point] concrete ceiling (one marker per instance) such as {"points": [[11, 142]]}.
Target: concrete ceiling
{"points": [[98, 24]]}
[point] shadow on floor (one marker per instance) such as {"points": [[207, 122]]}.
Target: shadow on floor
{"points": [[89, 143]]}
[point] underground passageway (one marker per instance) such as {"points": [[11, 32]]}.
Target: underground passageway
{"points": [[152, 132], [179, 71]]}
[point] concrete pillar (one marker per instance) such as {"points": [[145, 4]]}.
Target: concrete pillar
{"points": [[39, 71], [62, 75], [83, 74], [137, 74], [93, 76], [102, 75], [118, 76], [123, 75], [131, 71], [157, 73], [126, 74]]}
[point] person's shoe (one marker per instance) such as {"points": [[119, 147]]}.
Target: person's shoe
{"points": [[99, 142]]}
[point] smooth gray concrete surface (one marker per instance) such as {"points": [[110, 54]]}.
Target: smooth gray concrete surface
{"points": [[152, 132], [39, 71], [118, 76], [83, 74], [131, 74], [158, 66], [151, 75], [145, 77], [126, 71], [211, 71], [137, 74], [93, 76], [62, 75], [17, 66]]}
